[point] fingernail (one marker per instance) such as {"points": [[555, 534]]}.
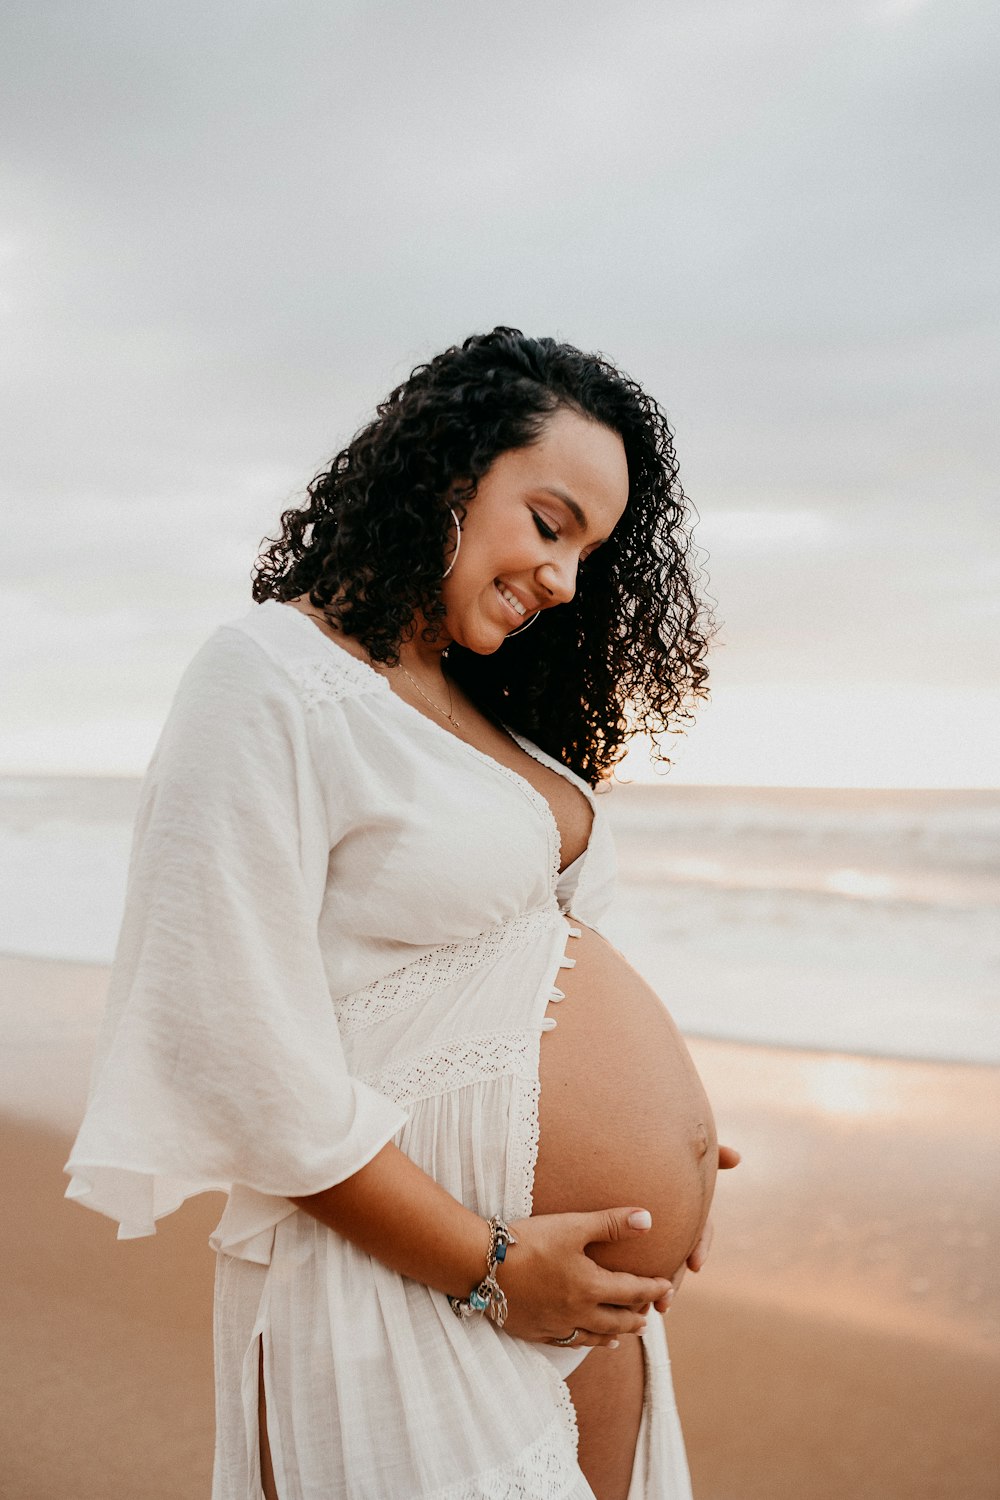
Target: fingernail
{"points": [[558, 995], [613, 1344], [641, 1219], [549, 1024], [641, 1328]]}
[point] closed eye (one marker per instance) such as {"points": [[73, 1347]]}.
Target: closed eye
{"points": [[546, 531]]}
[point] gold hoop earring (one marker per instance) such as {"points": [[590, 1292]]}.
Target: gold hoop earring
{"points": [[458, 543]]}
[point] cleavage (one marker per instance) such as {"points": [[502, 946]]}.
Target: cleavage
{"points": [[572, 812]]}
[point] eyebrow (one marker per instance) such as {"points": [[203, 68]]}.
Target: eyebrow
{"points": [[571, 505]]}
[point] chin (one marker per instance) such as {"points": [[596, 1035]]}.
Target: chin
{"points": [[484, 641], [487, 648]]}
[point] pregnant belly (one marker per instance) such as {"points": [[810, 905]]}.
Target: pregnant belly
{"points": [[623, 1116]]}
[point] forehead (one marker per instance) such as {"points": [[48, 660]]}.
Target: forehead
{"points": [[581, 458]]}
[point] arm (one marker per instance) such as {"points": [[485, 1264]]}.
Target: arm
{"points": [[395, 1212]]}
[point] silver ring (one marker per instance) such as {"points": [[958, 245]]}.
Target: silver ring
{"points": [[567, 1340]]}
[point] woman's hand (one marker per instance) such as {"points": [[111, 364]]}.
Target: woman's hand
{"points": [[727, 1158], [553, 1286]]}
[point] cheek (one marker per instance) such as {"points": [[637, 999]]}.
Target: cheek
{"points": [[475, 568], [466, 591]]}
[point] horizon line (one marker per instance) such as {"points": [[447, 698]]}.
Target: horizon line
{"points": [[662, 783]]}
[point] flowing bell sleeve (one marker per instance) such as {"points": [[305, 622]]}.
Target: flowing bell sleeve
{"points": [[219, 1064]]}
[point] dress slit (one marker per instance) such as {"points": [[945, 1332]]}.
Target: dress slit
{"points": [[244, 1285], [268, 1485]]}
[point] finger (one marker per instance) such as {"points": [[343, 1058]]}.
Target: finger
{"points": [[625, 1290], [609, 1326], [609, 1225], [614, 1321], [586, 1339], [699, 1254], [728, 1157]]}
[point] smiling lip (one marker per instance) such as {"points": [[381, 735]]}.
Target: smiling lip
{"points": [[529, 604]]}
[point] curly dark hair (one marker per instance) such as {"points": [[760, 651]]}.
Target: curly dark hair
{"points": [[624, 656]]}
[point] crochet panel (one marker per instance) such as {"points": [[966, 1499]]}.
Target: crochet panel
{"points": [[327, 679], [457, 1063], [405, 986]]}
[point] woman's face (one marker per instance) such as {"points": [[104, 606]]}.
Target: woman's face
{"points": [[537, 513]]}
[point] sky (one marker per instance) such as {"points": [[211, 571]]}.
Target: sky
{"points": [[227, 230]]}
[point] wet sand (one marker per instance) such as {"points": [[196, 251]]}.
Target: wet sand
{"points": [[843, 1341], [844, 1338]]}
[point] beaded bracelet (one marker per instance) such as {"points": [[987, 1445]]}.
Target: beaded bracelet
{"points": [[487, 1296]]}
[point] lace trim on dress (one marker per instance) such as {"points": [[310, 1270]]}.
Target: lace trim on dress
{"points": [[546, 1471], [434, 970], [522, 1149], [454, 1064], [325, 679]]}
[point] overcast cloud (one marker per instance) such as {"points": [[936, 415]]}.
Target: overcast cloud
{"points": [[228, 229]]}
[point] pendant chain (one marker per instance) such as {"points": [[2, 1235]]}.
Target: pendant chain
{"points": [[447, 712], [451, 701]]}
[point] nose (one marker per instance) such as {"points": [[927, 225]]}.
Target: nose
{"points": [[558, 580]]}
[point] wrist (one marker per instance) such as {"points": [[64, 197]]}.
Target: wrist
{"points": [[475, 1254], [486, 1294]]}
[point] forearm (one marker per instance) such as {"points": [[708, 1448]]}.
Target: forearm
{"points": [[401, 1216], [406, 1220]]}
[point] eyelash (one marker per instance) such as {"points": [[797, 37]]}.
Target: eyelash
{"points": [[545, 531], [549, 534]]}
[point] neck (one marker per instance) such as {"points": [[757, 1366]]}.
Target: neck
{"points": [[420, 658]]}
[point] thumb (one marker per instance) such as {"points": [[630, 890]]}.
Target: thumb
{"points": [[610, 1224]]}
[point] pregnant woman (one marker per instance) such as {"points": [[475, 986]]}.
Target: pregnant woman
{"points": [[360, 985]]}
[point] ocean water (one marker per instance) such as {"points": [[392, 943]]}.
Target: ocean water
{"points": [[848, 921]]}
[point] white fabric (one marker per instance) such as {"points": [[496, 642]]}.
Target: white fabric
{"points": [[342, 927]]}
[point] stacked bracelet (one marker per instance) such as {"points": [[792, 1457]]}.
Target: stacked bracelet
{"points": [[487, 1295]]}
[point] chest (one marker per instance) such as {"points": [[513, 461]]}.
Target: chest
{"points": [[445, 838], [570, 807]]}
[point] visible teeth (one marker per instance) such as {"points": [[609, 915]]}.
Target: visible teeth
{"points": [[514, 602]]}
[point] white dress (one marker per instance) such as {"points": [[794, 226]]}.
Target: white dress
{"points": [[342, 928]]}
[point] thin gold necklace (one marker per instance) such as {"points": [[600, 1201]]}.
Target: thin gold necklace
{"points": [[447, 712], [451, 701]]}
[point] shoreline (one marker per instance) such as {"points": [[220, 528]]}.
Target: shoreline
{"points": [[13, 965]]}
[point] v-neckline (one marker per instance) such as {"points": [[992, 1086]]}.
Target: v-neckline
{"points": [[540, 802]]}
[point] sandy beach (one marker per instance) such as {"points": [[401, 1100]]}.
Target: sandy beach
{"points": [[843, 1341]]}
